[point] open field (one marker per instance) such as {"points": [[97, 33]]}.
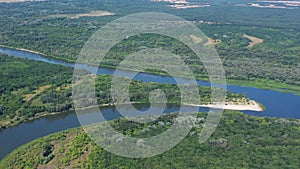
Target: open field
{"points": [[28, 97], [91, 14]]}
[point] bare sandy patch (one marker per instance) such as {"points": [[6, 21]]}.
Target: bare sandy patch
{"points": [[241, 106], [28, 97], [254, 40], [185, 6], [275, 6], [182, 4], [172, 1], [31, 51], [91, 14], [196, 39], [212, 41]]}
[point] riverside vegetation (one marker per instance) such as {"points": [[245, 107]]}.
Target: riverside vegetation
{"points": [[272, 64], [240, 141], [31, 89]]}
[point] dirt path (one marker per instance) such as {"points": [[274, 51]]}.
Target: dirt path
{"points": [[28, 97]]}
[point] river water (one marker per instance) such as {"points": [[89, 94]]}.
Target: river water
{"points": [[284, 105]]}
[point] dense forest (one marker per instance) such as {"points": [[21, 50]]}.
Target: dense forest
{"points": [[29, 87], [274, 63], [240, 141]]}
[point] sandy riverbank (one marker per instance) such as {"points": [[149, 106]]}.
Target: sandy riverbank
{"points": [[251, 105]]}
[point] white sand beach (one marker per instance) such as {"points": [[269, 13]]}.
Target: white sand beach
{"points": [[251, 105]]}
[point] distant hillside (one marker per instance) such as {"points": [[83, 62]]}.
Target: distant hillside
{"points": [[240, 141]]}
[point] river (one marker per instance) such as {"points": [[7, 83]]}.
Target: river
{"points": [[283, 105]]}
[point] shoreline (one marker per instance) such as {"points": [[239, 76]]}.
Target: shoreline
{"points": [[45, 114], [251, 106], [288, 88], [226, 106], [38, 53], [30, 51]]}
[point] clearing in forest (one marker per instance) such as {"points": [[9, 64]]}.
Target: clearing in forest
{"points": [[196, 39], [91, 14], [212, 41], [28, 97], [254, 40]]}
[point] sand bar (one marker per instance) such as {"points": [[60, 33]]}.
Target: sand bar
{"points": [[251, 105]]}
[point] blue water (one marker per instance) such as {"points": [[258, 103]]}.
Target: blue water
{"points": [[285, 105], [23, 133]]}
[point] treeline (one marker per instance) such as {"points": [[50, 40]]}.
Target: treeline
{"points": [[240, 141], [24, 93], [21, 78], [276, 59]]}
